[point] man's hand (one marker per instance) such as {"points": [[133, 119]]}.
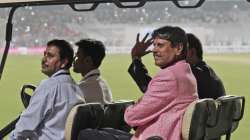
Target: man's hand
{"points": [[140, 47]]}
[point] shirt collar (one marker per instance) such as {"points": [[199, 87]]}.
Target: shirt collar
{"points": [[201, 63], [92, 72], [59, 72], [175, 63]]}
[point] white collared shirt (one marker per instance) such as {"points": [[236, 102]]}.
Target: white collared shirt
{"points": [[45, 117], [95, 89]]}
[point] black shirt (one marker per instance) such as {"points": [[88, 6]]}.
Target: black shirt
{"points": [[209, 84]]}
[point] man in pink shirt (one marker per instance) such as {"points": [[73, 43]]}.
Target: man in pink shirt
{"points": [[160, 110]]}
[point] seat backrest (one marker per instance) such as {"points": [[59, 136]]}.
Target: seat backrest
{"points": [[209, 119], [25, 96], [198, 115], [230, 110], [83, 116], [114, 115]]}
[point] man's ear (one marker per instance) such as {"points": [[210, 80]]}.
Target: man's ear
{"points": [[178, 49], [64, 63], [89, 60], [193, 51]]}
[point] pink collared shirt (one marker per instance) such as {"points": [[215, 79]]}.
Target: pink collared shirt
{"points": [[160, 110]]}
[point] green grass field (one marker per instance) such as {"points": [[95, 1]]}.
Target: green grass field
{"points": [[19, 70]]}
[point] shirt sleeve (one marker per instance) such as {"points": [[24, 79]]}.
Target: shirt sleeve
{"points": [[140, 75], [158, 98], [31, 118]]}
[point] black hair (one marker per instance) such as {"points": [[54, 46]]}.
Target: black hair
{"points": [[93, 48], [195, 43], [175, 35], [65, 50]]}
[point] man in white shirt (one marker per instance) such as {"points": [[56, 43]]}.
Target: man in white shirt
{"points": [[45, 117], [88, 58]]}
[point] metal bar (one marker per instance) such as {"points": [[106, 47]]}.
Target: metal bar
{"points": [[119, 4], [8, 37], [198, 4], [93, 7], [65, 2], [6, 130]]}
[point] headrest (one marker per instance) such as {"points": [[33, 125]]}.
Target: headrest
{"points": [[114, 115], [210, 119], [83, 116], [229, 111]]}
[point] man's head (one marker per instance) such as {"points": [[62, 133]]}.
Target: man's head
{"points": [[58, 55], [170, 45], [195, 52], [89, 55]]}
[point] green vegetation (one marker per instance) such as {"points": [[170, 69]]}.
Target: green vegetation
{"points": [[19, 70]]}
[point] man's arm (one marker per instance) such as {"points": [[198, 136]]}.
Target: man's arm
{"points": [[137, 70], [32, 117], [139, 73]]}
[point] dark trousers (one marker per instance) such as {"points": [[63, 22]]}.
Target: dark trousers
{"points": [[103, 134]]}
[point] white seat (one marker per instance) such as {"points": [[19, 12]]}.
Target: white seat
{"points": [[83, 116], [208, 119], [93, 115], [198, 115]]}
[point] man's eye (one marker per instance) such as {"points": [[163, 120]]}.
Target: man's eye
{"points": [[160, 45], [50, 55]]}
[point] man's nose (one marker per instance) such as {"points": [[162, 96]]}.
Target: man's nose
{"points": [[44, 58], [154, 49]]}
